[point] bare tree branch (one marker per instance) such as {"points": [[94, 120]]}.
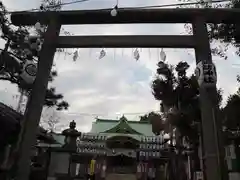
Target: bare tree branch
{"points": [[51, 119]]}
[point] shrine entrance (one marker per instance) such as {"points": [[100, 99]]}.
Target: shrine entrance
{"points": [[122, 164], [212, 143], [122, 142], [123, 158]]}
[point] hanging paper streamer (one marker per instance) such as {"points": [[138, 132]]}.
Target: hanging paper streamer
{"points": [[65, 55], [90, 52], [75, 55], [114, 54], [38, 26], [102, 54], [162, 55], [136, 54], [26, 39], [149, 51], [158, 54]]}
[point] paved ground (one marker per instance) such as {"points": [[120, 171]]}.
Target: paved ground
{"points": [[121, 177]]}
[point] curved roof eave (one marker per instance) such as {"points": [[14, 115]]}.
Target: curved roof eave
{"points": [[122, 125]]}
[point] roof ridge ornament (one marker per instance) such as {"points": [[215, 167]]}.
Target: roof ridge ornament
{"points": [[123, 118]]}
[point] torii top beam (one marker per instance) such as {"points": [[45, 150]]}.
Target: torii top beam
{"points": [[125, 16]]}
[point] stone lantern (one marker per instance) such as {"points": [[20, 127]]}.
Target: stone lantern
{"points": [[64, 155], [71, 135]]}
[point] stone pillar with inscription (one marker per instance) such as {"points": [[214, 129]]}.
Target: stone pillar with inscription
{"points": [[61, 160], [214, 164]]}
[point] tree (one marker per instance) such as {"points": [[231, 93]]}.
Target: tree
{"points": [[231, 121], [50, 118], [179, 93], [10, 126], [156, 120], [231, 112], [175, 91], [18, 50], [226, 34], [170, 90], [179, 96]]}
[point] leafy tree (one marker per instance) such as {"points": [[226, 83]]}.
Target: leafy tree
{"points": [[231, 121], [50, 119], [17, 51], [179, 92], [179, 96], [156, 120], [174, 90], [231, 113], [227, 34], [10, 126]]}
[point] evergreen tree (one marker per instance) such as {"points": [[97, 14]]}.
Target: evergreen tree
{"points": [[231, 116], [18, 50], [156, 120], [226, 34], [179, 96]]}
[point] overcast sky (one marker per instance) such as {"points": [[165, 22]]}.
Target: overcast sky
{"points": [[117, 84]]}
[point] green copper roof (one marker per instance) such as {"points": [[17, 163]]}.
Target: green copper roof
{"points": [[122, 127], [105, 125]]}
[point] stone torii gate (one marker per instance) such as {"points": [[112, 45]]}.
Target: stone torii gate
{"points": [[213, 149]]}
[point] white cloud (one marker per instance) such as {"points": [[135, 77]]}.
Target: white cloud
{"points": [[116, 83]]}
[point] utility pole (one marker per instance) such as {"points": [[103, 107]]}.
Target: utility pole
{"points": [[214, 156], [36, 100]]}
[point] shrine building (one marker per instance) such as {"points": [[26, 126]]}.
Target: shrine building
{"points": [[121, 149]]}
